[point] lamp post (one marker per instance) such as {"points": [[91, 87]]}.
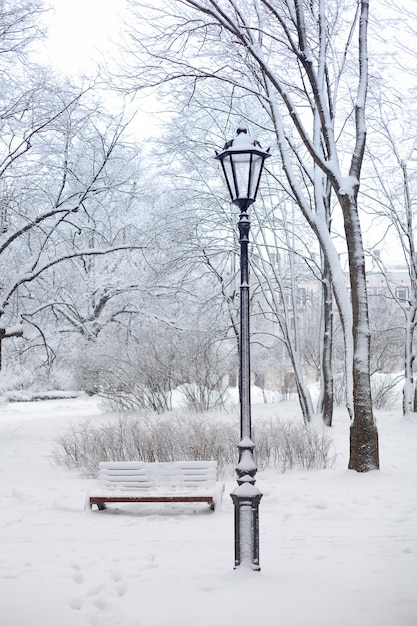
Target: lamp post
{"points": [[242, 161]]}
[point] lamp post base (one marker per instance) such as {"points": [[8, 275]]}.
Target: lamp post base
{"points": [[246, 498]]}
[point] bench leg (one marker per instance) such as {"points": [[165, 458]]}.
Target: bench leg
{"points": [[101, 506]]}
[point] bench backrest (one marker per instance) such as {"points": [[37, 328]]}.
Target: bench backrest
{"points": [[169, 476]]}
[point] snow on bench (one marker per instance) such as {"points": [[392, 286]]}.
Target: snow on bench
{"points": [[176, 481]]}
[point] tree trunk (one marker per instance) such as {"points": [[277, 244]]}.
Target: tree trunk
{"points": [[304, 399], [409, 387], [1, 348], [364, 450], [409, 391], [326, 400]]}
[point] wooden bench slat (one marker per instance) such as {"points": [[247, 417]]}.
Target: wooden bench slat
{"points": [[183, 498], [175, 481]]}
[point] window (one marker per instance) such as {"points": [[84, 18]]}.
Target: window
{"points": [[401, 293]]}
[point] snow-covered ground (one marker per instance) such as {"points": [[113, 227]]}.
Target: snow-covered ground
{"points": [[337, 548]]}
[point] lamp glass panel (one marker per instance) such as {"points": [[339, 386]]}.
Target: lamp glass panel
{"points": [[228, 172], [255, 174], [242, 167]]}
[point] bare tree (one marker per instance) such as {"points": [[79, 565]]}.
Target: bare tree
{"points": [[19, 27], [392, 189], [56, 197], [279, 267], [243, 45], [391, 180]]}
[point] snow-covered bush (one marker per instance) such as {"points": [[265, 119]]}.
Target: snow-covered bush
{"points": [[20, 384], [143, 375], [288, 445], [282, 445], [12, 379], [146, 439], [386, 390]]}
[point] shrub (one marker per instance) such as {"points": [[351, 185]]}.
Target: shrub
{"points": [[143, 375], [282, 445], [290, 445], [385, 390]]}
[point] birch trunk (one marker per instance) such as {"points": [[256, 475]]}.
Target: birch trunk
{"points": [[364, 450], [409, 389], [326, 400]]}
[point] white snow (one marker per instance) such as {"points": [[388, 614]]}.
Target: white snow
{"points": [[347, 185], [336, 547]]}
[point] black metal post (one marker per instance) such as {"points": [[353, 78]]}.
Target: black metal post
{"points": [[242, 161], [245, 496]]}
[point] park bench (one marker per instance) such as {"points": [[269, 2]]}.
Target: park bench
{"points": [[176, 481]]}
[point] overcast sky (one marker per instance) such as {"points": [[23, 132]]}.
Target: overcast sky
{"points": [[78, 28]]}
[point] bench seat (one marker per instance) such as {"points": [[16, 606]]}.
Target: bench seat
{"points": [[176, 481]]}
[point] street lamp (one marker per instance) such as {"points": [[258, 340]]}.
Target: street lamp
{"points": [[242, 161]]}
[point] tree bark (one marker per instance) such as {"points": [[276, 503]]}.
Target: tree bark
{"points": [[409, 389], [2, 335], [326, 399], [364, 449]]}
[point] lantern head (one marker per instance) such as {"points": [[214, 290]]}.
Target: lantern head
{"points": [[242, 162]]}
